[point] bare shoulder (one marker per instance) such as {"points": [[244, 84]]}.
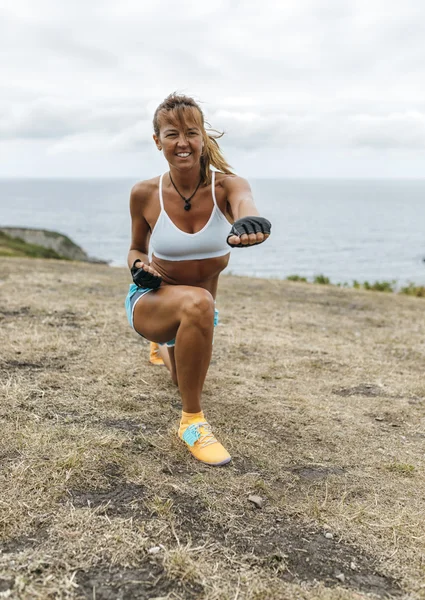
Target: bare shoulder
{"points": [[142, 190], [142, 195], [227, 180], [232, 184]]}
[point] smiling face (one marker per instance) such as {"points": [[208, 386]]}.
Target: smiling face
{"points": [[180, 138]]}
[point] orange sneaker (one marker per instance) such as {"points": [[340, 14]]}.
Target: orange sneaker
{"points": [[154, 356], [200, 440]]}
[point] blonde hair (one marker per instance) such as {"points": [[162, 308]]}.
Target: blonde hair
{"points": [[180, 107]]}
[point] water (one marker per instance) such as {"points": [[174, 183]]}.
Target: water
{"points": [[345, 229]]}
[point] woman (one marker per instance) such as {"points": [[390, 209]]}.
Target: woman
{"points": [[186, 216]]}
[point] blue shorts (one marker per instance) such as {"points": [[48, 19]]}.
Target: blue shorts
{"points": [[134, 295]]}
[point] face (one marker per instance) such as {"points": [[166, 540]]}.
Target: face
{"points": [[180, 141]]}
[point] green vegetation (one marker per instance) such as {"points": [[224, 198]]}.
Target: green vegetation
{"points": [[401, 468], [378, 286], [413, 290], [296, 278], [16, 247], [322, 280]]}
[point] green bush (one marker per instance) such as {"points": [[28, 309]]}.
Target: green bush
{"points": [[380, 286], [322, 280], [296, 278], [413, 290]]}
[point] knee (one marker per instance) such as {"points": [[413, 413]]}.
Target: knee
{"points": [[199, 304]]}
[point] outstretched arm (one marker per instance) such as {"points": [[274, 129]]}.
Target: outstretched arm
{"points": [[242, 205]]}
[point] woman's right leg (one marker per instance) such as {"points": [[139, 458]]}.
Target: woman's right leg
{"points": [[187, 314]]}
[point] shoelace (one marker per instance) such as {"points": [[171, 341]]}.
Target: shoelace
{"points": [[206, 437]]}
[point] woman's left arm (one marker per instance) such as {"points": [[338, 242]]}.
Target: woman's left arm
{"points": [[242, 205]]}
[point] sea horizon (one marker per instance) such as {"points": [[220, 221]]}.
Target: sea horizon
{"points": [[364, 229]]}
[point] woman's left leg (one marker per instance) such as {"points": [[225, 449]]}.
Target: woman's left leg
{"points": [[167, 355]]}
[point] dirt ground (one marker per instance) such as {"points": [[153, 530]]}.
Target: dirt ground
{"points": [[318, 392]]}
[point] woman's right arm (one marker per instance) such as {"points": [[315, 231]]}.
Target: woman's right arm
{"points": [[140, 231]]}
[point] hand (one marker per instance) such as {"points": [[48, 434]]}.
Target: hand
{"points": [[249, 231], [145, 276], [247, 240]]}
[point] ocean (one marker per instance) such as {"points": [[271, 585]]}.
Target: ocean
{"points": [[364, 230]]}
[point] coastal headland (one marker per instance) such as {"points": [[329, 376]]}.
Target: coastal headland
{"points": [[41, 243], [317, 391]]}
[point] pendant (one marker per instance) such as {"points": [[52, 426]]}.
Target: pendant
{"points": [[187, 206]]}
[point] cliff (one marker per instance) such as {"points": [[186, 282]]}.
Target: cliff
{"points": [[41, 243]]}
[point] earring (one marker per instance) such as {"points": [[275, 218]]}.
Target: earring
{"points": [[160, 148]]}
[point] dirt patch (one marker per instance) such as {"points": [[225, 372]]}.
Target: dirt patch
{"points": [[118, 583], [306, 555], [23, 542], [124, 499], [301, 554], [64, 319], [20, 312], [21, 364], [244, 465], [6, 457], [314, 472], [56, 363], [6, 585], [192, 514], [364, 389]]}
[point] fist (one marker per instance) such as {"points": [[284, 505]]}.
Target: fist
{"points": [[146, 276], [148, 269], [247, 239], [249, 231]]}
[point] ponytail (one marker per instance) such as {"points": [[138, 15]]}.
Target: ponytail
{"points": [[212, 155]]}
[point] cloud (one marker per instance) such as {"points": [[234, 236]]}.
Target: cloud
{"points": [[298, 74], [398, 130], [53, 118], [127, 126]]}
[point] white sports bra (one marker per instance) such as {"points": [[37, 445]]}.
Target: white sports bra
{"points": [[171, 243]]}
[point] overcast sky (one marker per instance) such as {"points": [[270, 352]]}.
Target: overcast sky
{"points": [[302, 88]]}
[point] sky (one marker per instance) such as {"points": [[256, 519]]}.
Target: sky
{"points": [[301, 88]]}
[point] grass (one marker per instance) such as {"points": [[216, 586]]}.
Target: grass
{"points": [[413, 290], [378, 286], [15, 247], [319, 397], [321, 279]]}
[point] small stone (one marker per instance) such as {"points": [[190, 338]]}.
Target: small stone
{"points": [[154, 550], [257, 500], [329, 535], [341, 577], [353, 566], [379, 419]]}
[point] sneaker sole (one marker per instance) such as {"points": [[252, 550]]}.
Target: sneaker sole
{"points": [[223, 462], [219, 464]]}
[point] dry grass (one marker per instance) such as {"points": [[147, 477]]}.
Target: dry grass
{"points": [[318, 392]]}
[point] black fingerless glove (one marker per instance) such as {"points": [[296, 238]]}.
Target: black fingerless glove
{"points": [[143, 278], [249, 225]]}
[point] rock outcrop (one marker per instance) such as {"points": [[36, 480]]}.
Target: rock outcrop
{"points": [[61, 244]]}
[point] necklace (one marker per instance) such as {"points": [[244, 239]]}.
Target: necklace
{"points": [[187, 205]]}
